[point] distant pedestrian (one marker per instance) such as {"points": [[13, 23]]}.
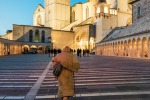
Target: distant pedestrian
{"points": [[49, 51], [78, 51]]}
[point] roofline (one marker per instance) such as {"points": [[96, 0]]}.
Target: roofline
{"points": [[33, 26], [133, 1], [144, 32]]}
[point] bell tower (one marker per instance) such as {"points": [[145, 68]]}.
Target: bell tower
{"points": [[57, 13]]}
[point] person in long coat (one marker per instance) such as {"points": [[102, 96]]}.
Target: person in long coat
{"points": [[66, 78]]}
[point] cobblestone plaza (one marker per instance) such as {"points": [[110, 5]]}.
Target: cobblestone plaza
{"points": [[29, 77]]}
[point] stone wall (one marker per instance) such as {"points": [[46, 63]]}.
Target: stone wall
{"points": [[62, 38], [21, 32], [145, 8]]}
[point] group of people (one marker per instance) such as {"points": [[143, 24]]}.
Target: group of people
{"points": [[80, 52], [53, 52], [84, 52]]}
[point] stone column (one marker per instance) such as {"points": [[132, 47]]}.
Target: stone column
{"points": [[137, 50], [148, 52]]}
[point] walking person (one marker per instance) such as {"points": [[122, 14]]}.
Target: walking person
{"points": [[49, 51], [66, 78]]}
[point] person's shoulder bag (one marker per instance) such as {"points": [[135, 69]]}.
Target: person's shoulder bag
{"points": [[57, 69]]}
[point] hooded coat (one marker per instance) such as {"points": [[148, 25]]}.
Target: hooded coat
{"points": [[66, 78]]}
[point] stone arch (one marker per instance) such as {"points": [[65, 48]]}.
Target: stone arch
{"points": [[37, 36], [30, 36], [87, 12], [149, 47], [1, 49], [25, 49], [122, 48], [46, 48], [83, 41], [139, 10], [139, 48], [40, 50], [33, 49], [39, 20], [43, 36], [125, 48], [106, 9], [129, 47], [119, 48], [113, 48], [144, 47], [134, 47], [73, 16], [116, 50]]}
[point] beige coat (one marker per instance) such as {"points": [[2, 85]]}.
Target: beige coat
{"points": [[66, 80]]}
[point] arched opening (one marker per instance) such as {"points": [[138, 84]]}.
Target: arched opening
{"points": [[87, 12], [46, 49], [149, 47], [144, 48], [40, 50], [134, 48], [43, 36], [92, 43], [39, 20], [30, 36], [119, 48], [122, 48], [130, 48], [139, 10], [113, 48], [33, 49], [116, 49], [37, 37], [25, 49], [125, 48], [139, 48], [73, 16], [106, 10], [1, 49], [82, 41]]}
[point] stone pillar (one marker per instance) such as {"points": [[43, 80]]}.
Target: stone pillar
{"points": [[137, 50], [149, 50]]}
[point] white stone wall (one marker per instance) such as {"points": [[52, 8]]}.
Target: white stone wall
{"points": [[124, 12], [77, 8], [40, 11], [91, 10], [57, 13], [62, 38]]}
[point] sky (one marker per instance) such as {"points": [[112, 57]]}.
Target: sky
{"points": [[19, 12]]}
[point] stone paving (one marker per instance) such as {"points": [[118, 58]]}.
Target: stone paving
{"points": [[25, 77]]}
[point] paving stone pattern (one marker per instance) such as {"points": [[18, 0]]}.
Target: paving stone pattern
{"points": [[100, 78]]}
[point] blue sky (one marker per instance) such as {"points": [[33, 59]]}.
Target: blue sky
{"points": [[19, 12]]}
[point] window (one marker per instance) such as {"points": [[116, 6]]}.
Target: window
{"points": [[105, 9], [87, 12], [139, 11], [36, 36], [30, 36], [73, 16], [98, 10], [39, 20], [43, 36]]}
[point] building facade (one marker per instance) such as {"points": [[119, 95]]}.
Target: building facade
{"points": [[133, 40], [79, 26]]}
